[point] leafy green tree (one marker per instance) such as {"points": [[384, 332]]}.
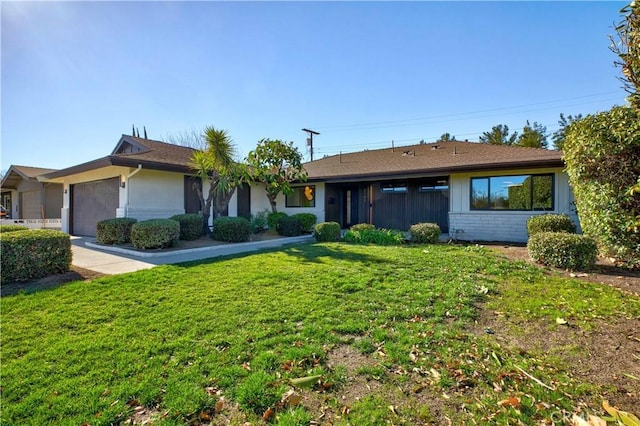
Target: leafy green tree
{"points": [[533, 136], [602, 153], [560, 135], [446, 137], [499, 135], [627, 47], [215, 164], [276, 164]]}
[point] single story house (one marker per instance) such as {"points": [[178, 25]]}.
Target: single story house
{"points": [[25, 197], [474, 191], [141, 178]]}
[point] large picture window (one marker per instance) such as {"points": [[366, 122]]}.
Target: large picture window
{"points": [[302, 196], [522, 192]]}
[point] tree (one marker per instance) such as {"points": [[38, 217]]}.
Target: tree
{"points": [[602, 154], [276, 164], [628, 50], [560, 135], [533, 136], [215, 164], [499, 135], [446, 137]]}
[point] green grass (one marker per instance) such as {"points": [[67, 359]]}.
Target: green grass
{"points": [[243, 326]]}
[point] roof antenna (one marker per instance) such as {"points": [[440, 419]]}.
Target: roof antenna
{"points": [[145, 132]]}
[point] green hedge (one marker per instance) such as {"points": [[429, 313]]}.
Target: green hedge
{"points": [[602, 153], [550, 223], [327, 231], [307, 221], [563, 250], [381, 237], [115, 231], [231, 229], [191, 225], [425, 232], [155, 233], [273, 220], [12, 228], [259, 221], [362, 227], [34, 254], [290, 226]]}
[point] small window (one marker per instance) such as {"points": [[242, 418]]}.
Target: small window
{"points": [[524, 192], [393, 188], [302, 196]]}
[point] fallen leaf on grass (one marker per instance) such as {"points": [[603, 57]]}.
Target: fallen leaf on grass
{"points": [[268, 414], [593, 421], [305, 382], [561, 321], [512, 401], [623, 417], [290, 399]]}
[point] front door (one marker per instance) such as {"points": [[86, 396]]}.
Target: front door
{"points": [[350, 206]]}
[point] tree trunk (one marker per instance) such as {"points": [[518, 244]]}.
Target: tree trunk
{"points": [[205, 205]]}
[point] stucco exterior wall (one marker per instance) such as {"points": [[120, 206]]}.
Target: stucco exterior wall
{"points": [[154, 194], [260, 202], [500, 225]]}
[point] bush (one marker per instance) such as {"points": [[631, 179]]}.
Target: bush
{"points": [[191, 225], [273, 220], [425, 232], [563, 250], [602, 153], [33, 254], [115, 231], [362, 227], [307, 220], [12, 228], [259, 221], [290, 226], [326, 231], [550, 223], [231, 229], [155, 233], [381, 237]]}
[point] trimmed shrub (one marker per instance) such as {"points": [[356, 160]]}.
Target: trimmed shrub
{"points": [[381, 237], [326, 231], [273, 220], [425, 232], [307, 221], [259, 221], [191, 225], [12, 228], [290, 226], [550, 223], [602, 153], [115, 231], [155, 233], [34, 254], [563, 250], [231, 229], [362, 227]]}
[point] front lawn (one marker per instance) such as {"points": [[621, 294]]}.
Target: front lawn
{"points": [[392, 332]]}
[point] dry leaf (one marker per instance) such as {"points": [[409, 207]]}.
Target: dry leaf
{"points": [[510, 402], [219, 405], [268, 414]]}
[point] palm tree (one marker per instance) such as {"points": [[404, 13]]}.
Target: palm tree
{"points": [[215, 164]]}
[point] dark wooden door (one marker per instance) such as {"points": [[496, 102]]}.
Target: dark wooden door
{"points": [[191, 198], [350, 206], [243, 194]]}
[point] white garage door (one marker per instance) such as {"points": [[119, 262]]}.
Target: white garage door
{"points": [[91, 203]]}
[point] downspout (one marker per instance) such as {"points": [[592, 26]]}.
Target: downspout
{"points": [[126, 208]]}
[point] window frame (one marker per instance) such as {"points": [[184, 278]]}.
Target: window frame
{"points": [[531, 192], [394, 187], [302, 188]]}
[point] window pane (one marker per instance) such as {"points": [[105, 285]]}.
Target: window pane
{"points": [[480, 193], [543, 192], [393, 187], [302, 196]]}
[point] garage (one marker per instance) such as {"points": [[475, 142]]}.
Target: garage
{"points": [[92, 202], [30, 205]]}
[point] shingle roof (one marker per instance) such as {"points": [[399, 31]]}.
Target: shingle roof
{"points": [[17, 173], [438, 157], [159, 152]]}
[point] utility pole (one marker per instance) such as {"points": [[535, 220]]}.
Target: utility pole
{"points": [[310, 140]]}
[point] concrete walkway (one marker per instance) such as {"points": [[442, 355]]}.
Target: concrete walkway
{"points": [[116, 260]]}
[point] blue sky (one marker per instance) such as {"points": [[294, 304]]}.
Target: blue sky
{"points": [[77, 75]]}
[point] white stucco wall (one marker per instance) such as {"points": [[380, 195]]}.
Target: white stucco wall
{"points": [[153, 194], [260, 202], [500, 225]]}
